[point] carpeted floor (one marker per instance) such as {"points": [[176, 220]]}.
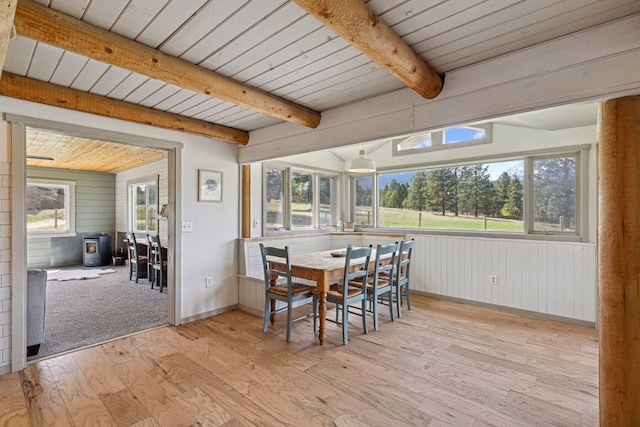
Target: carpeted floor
{"points": [[89, 311]]}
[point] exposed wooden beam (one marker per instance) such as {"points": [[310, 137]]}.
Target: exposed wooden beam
{"points": [[7, 12], [46, 93], [46, 25], [356, 23]]}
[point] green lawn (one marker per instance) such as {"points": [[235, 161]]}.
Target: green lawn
{"points": [[406, 218]]}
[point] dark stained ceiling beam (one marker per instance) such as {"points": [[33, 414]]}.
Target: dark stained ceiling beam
{"points": [[356, 23], [41, 92], [49, 26]]}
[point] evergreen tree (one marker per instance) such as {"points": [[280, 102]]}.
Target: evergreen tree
{"points": [[416, 194], [439, 188], [501, 192], [554, 189], [393, 194], [512, 207], [476, 190]]}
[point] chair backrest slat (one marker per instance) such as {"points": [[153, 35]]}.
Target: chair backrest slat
{"points": [[268, 253], [404, 261], [382, 251]]}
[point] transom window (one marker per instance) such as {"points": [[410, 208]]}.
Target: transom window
{"points": [[50, 207], [446, 138]]}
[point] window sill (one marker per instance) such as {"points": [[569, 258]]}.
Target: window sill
{"points": [[482, 234]]}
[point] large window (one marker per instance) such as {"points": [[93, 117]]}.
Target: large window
{"points": [[489, 196], [50, 207], [554, 194], [301, 199], [298, 199], [143, 203]]}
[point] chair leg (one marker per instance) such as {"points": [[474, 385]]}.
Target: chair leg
{"points": [[267, 313], [316, 303], [391, 306], [406, 292], [399, 301], [364, 316], [345, 323], [374, 301]]}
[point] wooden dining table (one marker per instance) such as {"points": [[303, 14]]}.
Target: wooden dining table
{"points": [[324, 268]]}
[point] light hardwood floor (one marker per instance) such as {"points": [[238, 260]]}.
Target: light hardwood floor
{"points": [[442, 364]]}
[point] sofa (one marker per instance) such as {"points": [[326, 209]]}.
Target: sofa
{"points": [[36, 308]]}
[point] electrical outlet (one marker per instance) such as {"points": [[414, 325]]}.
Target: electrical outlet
{"points": [[208, 282], [493, 279], [187, 227]]}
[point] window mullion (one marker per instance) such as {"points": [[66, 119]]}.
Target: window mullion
{"points": [[286, 209], [528, 196]]}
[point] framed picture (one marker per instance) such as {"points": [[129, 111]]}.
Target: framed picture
{"points": [[209, 186]]}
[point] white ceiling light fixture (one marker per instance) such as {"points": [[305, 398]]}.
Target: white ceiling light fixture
{"points": [[362, 164]]}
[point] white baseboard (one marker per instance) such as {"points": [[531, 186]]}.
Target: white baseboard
{"points": [[208, 314]]}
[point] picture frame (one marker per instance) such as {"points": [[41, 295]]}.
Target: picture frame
{"points": [[209, 186]]}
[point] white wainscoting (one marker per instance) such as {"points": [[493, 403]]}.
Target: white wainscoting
{"points": [[554, 278]]}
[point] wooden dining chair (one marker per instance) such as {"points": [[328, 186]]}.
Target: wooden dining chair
{"points": [[349, 291], [283, 288], [401, 274], [158, 263], [381, 282], [137, 262]]}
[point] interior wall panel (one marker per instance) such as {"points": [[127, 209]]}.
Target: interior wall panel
{"points": [[554, 278]]}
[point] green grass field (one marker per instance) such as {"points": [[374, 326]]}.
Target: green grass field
{"points": [[406, 218]]}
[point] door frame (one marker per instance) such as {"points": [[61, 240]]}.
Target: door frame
{"points": [[18, 224]]}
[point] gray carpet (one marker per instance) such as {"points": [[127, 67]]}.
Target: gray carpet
{"points": [[89, 311]]}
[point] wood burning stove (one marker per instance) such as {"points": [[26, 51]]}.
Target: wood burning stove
{"points": [[96, 250]]}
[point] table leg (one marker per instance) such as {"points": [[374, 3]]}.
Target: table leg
{"points": [[322, 314]]}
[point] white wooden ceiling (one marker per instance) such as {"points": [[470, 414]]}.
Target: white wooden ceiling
{"points": [[277, 47]]}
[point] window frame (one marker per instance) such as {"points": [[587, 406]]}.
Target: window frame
{"points": [[438, 140], [287, 224], [131, 213], [529, 194], [374, 199], [581, 154], [69, 206]]}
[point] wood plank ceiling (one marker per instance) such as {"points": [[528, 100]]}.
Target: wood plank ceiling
{"points": [[277, 48]]}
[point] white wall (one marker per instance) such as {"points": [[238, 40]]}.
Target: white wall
{"points": [[209, 251], [5, 248]]}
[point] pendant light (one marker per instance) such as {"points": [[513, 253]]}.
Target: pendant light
{"points": [[362, 164]]}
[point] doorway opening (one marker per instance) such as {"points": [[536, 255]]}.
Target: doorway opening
{"points": [[76, 234]]}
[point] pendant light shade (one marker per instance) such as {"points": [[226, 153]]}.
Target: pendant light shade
{"points": [[362, 164]]}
